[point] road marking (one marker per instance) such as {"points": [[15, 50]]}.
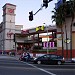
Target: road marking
{"points": [[61, 69], [40, 69]]}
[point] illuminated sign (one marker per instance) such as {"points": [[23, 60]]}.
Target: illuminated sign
{"points": [[40, 28], [45, 39], [48, 44], [67, 41]]}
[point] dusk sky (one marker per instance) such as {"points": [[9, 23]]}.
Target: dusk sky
{"points": [[23, 7]]}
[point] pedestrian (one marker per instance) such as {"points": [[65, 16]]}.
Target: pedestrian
{"points": [[28, 56], [23, 54]]}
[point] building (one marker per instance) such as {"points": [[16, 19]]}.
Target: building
{"points": [[7, 27], [13, 38]]}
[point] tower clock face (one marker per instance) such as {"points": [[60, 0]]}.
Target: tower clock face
{"points": [[11, 11]]}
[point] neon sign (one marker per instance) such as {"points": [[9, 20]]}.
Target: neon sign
{"points": [[48, 44], [40, 28]]}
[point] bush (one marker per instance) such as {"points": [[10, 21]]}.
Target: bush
{"points": [[37, 47], [43, 51]]}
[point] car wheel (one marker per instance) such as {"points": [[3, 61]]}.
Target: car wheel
{"points": [[59, 63], [38, 62]]}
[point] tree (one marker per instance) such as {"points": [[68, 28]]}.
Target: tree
{"points": [[72, 12], [58, 17], [65, 10]]}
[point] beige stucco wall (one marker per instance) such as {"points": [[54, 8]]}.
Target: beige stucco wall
{"points": [[73, 40]]}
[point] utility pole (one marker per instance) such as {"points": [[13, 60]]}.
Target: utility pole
{"points": [[47, 38]]}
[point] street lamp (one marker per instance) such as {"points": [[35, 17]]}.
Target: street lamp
{"points": [[2, 50], [47, 37]]}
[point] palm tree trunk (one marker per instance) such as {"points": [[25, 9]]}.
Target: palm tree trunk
{"points": [[73, 14], [66, 42], [62, 41], [71, 38], [71, 41]]}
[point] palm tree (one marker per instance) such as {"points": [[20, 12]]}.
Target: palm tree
{"points": [[72, 12], [70, 8], [58, 17]]}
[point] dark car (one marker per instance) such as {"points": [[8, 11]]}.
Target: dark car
{"points": [[49, 59]]}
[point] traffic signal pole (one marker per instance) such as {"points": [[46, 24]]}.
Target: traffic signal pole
{"points": [[41, 8], [45, 4], [38, 10]]}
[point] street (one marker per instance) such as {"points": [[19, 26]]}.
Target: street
{"points": [[12, 66]]}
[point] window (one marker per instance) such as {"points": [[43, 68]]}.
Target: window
{"points": [[53, 56]]}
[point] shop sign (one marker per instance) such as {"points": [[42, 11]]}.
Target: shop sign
{"points": [[25, 31], [40, 28]]}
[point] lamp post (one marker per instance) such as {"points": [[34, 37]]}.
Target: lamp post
{"points": [[47, 37], [2, 49]]}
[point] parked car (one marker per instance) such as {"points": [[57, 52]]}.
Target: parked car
{"points": [[49, 59]]}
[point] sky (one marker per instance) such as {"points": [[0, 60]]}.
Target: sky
{"points": [[23, 7]]}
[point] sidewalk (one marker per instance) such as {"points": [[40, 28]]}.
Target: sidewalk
{"points": [[9, 57]]}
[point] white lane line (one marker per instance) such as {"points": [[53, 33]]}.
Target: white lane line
{"points": [[40, 69]]}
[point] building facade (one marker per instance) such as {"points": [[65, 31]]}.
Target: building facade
{"points": [[12, 38], [68, 45], [7, 27]]}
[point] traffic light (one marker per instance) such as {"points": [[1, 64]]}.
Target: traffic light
{"points": [[45, 3], [31, 16]]}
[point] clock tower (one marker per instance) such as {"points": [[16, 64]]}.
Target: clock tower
{"points": [[8, 26]]}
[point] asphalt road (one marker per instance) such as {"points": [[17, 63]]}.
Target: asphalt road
{"points": [[12, 66]]}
